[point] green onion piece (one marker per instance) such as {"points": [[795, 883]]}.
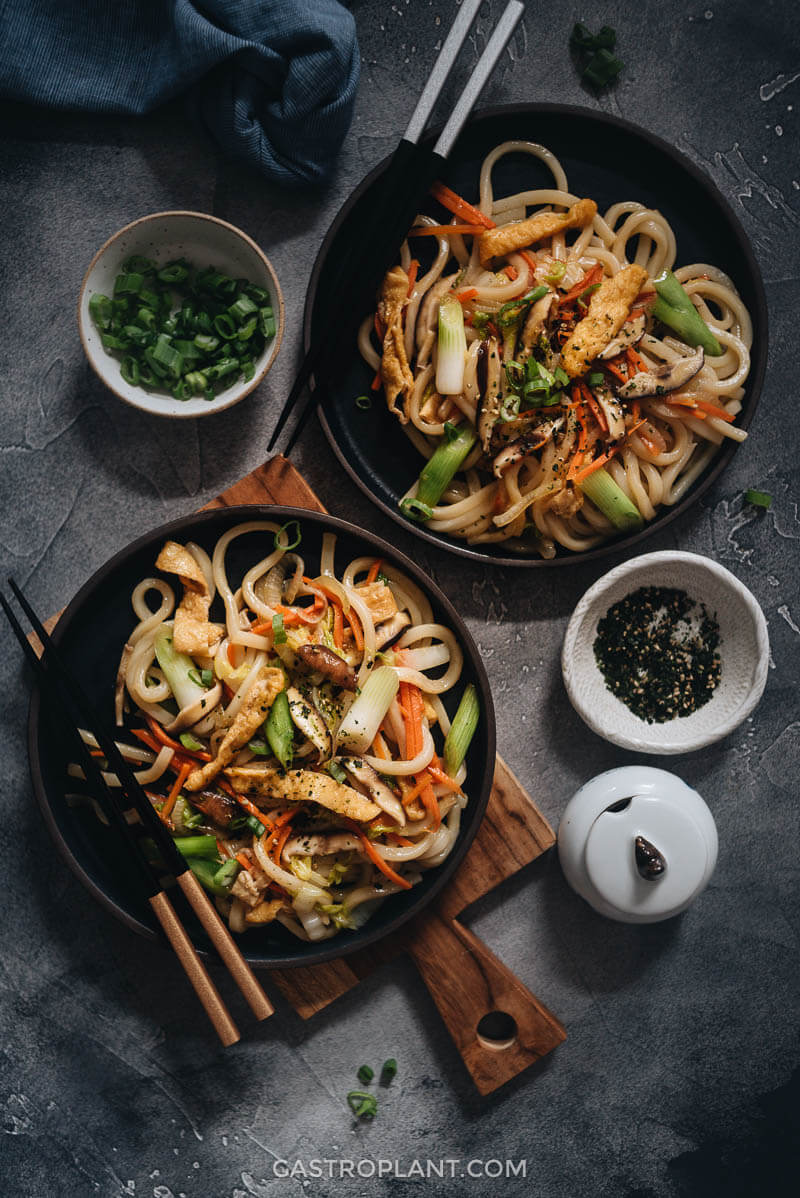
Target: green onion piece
{"points": [[167, 356], [259, 747], [242, 308], [438, 471], [225, 326], [611, 500], [365, 1074], [363, 1105], [227, 873], [112, 342], [601, 69], [360, 725], [151, 299], [674, 308], [179, 390], [100, 310], [194, 675], [256, 293], [510, 313], [207, 677], [266, 322], [137, 335], [206, 342], [176, 668], [198, 846], [146, 317], [196, 381], [389, 1070], [452, 354], [206, 872], [298, 536], [255, 825], [278, 631], [129, 369], [595, 379], [462, 730], [279, 730], [248, 369], [190, 817], [173, 272], [557, 272], [128, 284], [247, 329], [414, 510], [336, 771], [187, 349], [363, 402], [221, 368], [480, 321], [758, 498], [136, 264], [191, 742]]}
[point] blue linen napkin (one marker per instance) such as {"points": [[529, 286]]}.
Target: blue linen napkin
{"points": [[272, 80]]}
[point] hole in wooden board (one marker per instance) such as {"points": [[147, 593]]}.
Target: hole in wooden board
{"points": [[497, 1030]]}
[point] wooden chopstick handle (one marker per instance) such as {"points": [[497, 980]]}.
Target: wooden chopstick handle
{"points": [[194, 969], [226, 946]]}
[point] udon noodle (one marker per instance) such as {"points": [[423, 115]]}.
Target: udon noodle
{"points": [[299, 751], [544, 423]]}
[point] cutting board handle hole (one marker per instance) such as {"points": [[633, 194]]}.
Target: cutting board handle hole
{"points": [[497, 1030]]}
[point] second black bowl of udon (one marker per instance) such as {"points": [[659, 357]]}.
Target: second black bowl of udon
{"points": [[91, 634], [606, 159]]}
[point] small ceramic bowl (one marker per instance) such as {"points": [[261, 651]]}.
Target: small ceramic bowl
{"points": [[204, 241], [743, 649]]}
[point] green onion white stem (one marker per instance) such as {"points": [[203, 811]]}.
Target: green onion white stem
{"points": [[612, 501], [452, 347]]}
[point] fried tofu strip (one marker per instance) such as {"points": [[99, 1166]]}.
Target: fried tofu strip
{"points": [[494, 243], [398, 380], [608, 311], [192, 632], [251, 715], [301, 786]]}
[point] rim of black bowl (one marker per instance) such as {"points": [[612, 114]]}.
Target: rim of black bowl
{"points": [[336, 947], [755, 380]]}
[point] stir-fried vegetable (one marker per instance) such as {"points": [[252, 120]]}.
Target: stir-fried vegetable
{"points": [[452, 347], [612, 501], [178, 668], [360, 726], [462, 730], [279, 730], [674, 308], [438, 471]]}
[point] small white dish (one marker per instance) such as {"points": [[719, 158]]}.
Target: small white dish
{"points": [[204, 241], [743, 649]]}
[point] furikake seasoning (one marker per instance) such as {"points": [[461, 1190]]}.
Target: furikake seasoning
{"points": [[658, 651]]}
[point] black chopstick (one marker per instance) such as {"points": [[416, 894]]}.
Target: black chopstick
{"points": [[52, 667], [409, 175]]}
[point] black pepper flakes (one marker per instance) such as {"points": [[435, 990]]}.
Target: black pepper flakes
{"points": [[657, 651]]}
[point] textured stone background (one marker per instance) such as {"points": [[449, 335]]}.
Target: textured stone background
{"points": [[679, 1074]]}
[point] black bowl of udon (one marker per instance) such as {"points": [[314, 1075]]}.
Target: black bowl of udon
{"points": [[325, 818], [656, 455]]}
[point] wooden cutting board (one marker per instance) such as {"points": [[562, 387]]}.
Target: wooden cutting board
{"points": [[465, 979]]}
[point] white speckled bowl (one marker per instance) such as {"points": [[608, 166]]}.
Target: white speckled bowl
{"points": [[204, 241], [744, 653]]}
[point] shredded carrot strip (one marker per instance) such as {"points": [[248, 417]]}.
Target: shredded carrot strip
{"points": [[377, 382], [309, 615], [529, 261], [244, 802], [635, 427], [636, 361], [575, 465], [172, 797], [355, 624], [232, 654], [580, 475], [467, 294], [501, 497], [377, 324], [379, 747], [511, 271], [261, 627], [375, 569], [431, 805], [423, 780], [650, 445], [438, 774], [376, 858], [636, 409], [459, 207], [96, 753], [615, 370], [443, 230], [702, 406], [592, 276], [280, 837], [411, 699], [159, 733], [580, 416], [595, 408], [244, 861], [401, 840], [413, 271], [338, 624], [178, 759]]}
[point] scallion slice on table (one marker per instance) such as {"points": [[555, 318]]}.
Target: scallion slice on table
{"points": [[178, 329], [761, 499], [461, 733]]}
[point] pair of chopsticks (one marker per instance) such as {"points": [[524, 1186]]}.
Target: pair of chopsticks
{"points": [[351, 287], [59, 684]]}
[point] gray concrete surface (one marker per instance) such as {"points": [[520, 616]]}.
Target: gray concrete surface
{"points": [[679, 1076]]}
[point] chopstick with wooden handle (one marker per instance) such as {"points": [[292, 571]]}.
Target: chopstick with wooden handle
{"points": [[201, 904]]}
